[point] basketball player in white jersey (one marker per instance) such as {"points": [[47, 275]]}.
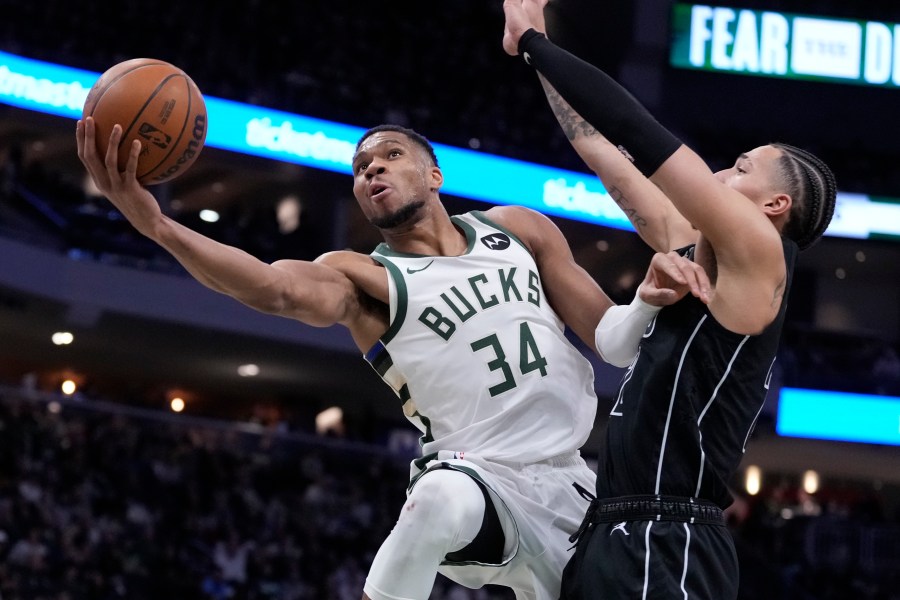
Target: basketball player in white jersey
{"points": [[464, 317]]}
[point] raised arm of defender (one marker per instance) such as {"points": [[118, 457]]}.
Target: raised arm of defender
{"points": [[650, 211], [740, 245]]}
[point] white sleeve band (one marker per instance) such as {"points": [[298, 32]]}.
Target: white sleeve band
{"points": [[619, 332]]}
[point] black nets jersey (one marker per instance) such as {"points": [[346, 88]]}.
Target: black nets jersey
{"points": [[688, 403]]}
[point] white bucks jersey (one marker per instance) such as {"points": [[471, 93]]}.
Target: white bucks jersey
{"points": [[477, 355]]}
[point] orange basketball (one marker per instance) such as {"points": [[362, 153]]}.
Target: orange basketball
{"points": [[159, 105]]}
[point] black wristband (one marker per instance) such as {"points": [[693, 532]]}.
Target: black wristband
{"points": [[602, 102], [523, 42]]}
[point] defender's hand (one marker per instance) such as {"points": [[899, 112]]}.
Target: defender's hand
{"points": [[671, 277], [521, 15]]}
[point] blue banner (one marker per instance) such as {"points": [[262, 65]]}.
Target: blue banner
{"points": [[278, 135], [839, 416]]}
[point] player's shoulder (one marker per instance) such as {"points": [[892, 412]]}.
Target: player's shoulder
{"points": [[525, 223], [511, 214], [533, 228], [345, 258], [362, 270]]}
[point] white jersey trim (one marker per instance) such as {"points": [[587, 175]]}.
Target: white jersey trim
{"points": [[662, 450]]}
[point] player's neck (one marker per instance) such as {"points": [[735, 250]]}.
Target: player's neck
{"points": [[429, 237]]}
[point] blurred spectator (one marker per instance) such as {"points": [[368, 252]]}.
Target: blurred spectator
{"points": [[230, 556], [29, 552], [215, 587], [97, 505], [886, 372]]}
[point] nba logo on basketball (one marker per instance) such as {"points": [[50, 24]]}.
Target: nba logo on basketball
{"points": [[154, 135]]}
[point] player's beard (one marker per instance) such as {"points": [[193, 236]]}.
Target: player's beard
{"points": [[398, 217]]}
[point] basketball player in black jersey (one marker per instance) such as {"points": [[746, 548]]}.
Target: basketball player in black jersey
{"points": [[690, 399]]}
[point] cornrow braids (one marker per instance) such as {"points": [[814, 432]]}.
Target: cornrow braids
{"points": [[412, 134], [813, 190]]}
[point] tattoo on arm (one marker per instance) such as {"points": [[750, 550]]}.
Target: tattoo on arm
{"points": [[571, 122], [574, 126], [624, 203]]}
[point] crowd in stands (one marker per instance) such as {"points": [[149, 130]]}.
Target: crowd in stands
{"points": [[839, 543], [100, 505], [102, 501], [839, 361]]}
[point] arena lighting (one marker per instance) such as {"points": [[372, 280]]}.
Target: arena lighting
{"points": [[288, 213], [258, 131], [248, 370], [210, 216], [68, 387], [62, 338], [838, 416], [810, 482], [176, 404], [785, 45], [330, 420], [753, 480]]}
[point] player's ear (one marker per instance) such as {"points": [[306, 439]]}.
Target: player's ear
{"points": [[436, 178], [778, 204]]}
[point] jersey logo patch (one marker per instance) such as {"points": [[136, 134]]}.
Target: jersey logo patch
{"points": [[496, 241], [619, 527], [410, 271]]}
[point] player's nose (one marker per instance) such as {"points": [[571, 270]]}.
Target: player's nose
{"points": [[376, 167]]}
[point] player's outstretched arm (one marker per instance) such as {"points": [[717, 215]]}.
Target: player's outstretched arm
{"points": [[669, 278], [748, 253], [571, 291], [650, 211], [703, 200], [310, 292]]}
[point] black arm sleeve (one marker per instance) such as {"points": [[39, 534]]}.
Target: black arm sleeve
{"points": [[602, 102]]}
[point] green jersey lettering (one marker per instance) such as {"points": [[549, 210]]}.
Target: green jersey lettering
{"points": [[534, 288], [498, 363], [508, 284], [437, 322], [530, 358], [463, 316], [492, 301]]}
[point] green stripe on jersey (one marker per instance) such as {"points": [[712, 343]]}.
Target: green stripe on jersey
{"points": [[402, 297]]}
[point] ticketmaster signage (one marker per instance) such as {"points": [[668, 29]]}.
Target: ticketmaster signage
{"points": [[283, 136], [777, 44], [278, 135]]}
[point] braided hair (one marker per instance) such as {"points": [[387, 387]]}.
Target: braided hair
{"points": [[812, 187]]}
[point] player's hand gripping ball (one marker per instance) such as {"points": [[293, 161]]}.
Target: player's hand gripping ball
{"points": [[159, 105]]}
